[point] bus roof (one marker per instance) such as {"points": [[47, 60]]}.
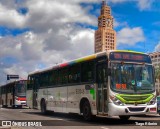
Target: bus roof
{"points": [[9, 83], [127, 51], [86, 58]]}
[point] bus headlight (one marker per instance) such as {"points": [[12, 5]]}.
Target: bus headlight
{"points": [[153, 101], [116, 101]]}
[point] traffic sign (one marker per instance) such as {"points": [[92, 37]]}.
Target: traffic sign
{"points": [[12, 77]]}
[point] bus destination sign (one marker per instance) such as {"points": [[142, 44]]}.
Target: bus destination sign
{"points": [[132, 57]]}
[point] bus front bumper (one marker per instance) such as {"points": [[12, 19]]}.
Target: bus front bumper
{"points": [[116, 110], [23, 103]]}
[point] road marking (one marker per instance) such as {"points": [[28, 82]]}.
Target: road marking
{"points": [[4, 109], [104, 128]]}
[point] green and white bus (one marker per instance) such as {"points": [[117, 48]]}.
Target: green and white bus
{"points": [[114, 83]]}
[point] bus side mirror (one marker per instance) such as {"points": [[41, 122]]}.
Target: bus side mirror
{"points": [[109, 71]]}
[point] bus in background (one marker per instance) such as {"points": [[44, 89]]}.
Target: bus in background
{"points": [[13, 94], [114, 83]]}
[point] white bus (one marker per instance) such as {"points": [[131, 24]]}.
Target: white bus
{"points": [[115, 83], [13, 94]]}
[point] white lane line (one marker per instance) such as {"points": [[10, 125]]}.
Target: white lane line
{"points": [[4, 109], [104, 128]]}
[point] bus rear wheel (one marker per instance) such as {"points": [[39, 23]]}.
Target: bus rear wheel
{"points": [[124, 117], [43, 107], [87, 115]]}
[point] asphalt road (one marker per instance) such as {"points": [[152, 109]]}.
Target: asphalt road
{"points": [[30, 117]]}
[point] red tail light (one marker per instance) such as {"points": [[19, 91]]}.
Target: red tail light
{"points": [[21, 98]]}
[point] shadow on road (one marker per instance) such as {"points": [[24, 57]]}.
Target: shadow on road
{"points": [[23, 107], [78, 120], [148, 116]]}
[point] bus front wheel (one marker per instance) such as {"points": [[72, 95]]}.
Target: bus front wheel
{"points": [[43, 107], [87, 111], [124, 117]]}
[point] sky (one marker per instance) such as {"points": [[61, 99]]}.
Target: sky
{"points": [[37, 34]]}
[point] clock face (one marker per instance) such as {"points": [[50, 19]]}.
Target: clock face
{"points": [[109, 22], [100, 22]]}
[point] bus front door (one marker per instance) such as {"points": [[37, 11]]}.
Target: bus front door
{"points": [[35, 90], [102, 79]]}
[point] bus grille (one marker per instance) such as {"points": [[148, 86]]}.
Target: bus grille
{"points": [[132, 99], [140, 109]]}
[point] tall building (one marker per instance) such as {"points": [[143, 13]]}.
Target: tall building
{"points": [[155, 56], [105, 36]]}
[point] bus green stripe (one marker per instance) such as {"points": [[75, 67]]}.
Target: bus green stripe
{"points": [[134, 98]]}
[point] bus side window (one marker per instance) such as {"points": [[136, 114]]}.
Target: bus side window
{"points": [[29, 83], [87, 69], [64, 76], [74, 74]]}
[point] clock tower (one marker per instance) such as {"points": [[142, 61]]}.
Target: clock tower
{"points": [[105, 36]]}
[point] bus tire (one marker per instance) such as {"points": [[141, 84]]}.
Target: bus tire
{"points": [[10, 102], [43, 107], [19, 106], [86, 110], [2, 104], [13, 106], [124, 117]]}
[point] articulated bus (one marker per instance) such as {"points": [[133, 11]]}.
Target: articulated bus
{"points": [[13, 94], [114, 83]]}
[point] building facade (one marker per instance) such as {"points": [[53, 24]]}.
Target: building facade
{"points": [[105, 36], [155, 56]]}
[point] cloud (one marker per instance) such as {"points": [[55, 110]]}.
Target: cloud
{"points": [[157, 23], [53, 14], [117, 1], [47, 12], [11, 18], [141, 4], [31, 51], [54, 35], [145, 4], [119, 24], [130, 36], [157, 48]]}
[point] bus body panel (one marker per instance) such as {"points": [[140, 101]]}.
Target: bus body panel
{"points": [[65, 99], [29, 97], [75, 95], [9, 99], [4, 100], [57, 99]]}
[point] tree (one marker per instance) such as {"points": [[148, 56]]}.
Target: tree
{"points": [[157, 75]]}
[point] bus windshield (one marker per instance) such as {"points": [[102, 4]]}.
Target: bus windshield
{"points": [[132, 78], [20, 90]]}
